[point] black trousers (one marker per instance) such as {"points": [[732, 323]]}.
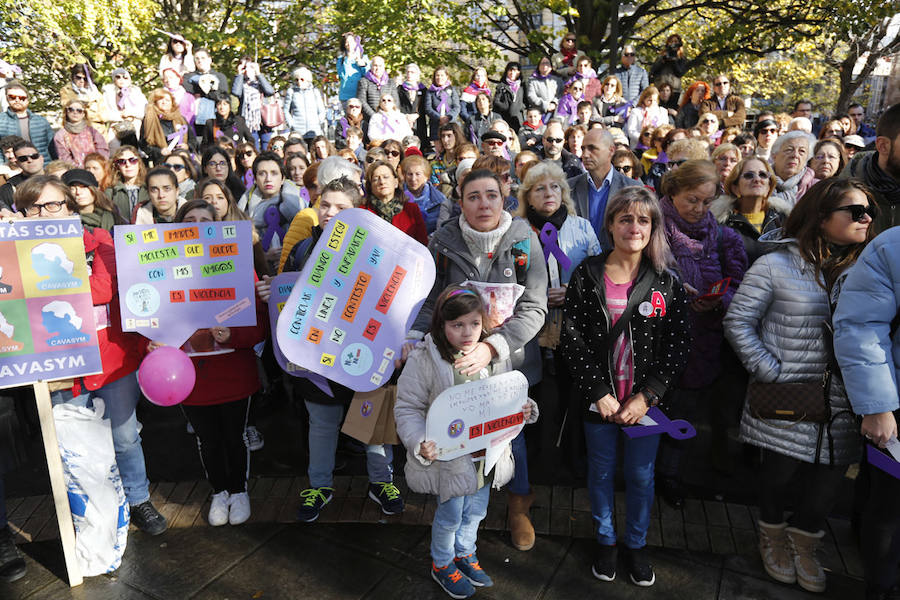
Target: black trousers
{"points": [[819, 486], [220, 439], [879, 539]]}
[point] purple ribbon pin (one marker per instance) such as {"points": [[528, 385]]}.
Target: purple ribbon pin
{"points": [[178, 135], [273, 225], [549, 236], [678, 429], [879, 459]]}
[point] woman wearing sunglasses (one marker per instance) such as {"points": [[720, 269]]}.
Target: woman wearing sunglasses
{"points": [[82, 87], [124, 101], [775, 326], [181, 163], [128, 189], [244, 156], [388, 123], [76, 138]]}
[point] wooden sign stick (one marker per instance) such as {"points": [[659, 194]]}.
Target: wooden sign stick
{"points": [[57, 483]]}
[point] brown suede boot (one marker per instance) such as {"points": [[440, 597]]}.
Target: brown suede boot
{"points": [[520, 527], [810, 574], [775, 552]]}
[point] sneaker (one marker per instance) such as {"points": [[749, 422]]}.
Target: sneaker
{"points": [[12, 565], [604, 567], [452, 581], [218, 509], [387, 496], [639, 568], [146, 518], [253, 438], [468, 566], [239, 511], [313, 501]]}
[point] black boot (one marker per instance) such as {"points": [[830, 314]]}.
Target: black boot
{"points": [[12, 565], [671, 490]]}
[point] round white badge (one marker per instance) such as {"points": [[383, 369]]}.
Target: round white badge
{"points": [[645, 308], [507, 272]]}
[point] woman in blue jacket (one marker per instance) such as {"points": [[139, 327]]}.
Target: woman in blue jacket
{"points": [[351, 65]]}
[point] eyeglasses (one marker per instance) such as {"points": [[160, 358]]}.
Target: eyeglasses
{"points": [[768, 131], [387, 101], [494, 142], [858, 212], [628, 54], [370, 160], [356, 106], [246, 153], [392, 152], [12, 97], [720, 83], [51, 208], [121, 77], [28, 157], [751, 175], [174, 167], [623, 168], [677, 163], [553, 140], [74, 109], [216, 163], [121, 162], [81, 77]]}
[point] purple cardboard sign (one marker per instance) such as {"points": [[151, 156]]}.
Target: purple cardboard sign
{"points": [[281, 287], [177, 278], [47, 326], [355, 299]]}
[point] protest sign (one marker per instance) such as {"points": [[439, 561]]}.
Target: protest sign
{"points": [[478, 415], [281, 287], [177, 278], [47, 328], [48, 331], [355, 299]]}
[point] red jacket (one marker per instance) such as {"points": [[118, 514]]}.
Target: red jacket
{"points": [[409, 221], [121, 353], [231, 374]]}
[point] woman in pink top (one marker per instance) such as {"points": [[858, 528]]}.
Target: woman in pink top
{"points": [[626, 339]]}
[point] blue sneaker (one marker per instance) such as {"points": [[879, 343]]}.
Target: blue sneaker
{"points": [[387, 496], [468, 566], [452, 581], [313, 500]]}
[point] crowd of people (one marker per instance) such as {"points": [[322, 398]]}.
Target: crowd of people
{"points": [[710, 272]]}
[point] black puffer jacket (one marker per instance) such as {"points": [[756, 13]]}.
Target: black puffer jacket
{"points": [[660, 342]]}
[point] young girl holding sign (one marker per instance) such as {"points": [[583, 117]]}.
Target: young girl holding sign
{"points": [[458, 325]]}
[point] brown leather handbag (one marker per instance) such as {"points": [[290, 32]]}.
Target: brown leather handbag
{"points": [[796, 402]]}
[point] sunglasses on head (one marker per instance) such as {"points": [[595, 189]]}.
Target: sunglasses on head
{"points": [[121, 162], [28, 157], [174, 167], [16, 97], [858, 212]]}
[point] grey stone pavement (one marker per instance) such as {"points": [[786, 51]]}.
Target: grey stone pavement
{"points": [[707, 550]]}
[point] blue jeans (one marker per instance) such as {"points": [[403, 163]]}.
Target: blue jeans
{"points": [[519, 483], [324, 427], [261, 138], [120, 397], [455, 526], [640, 456]]}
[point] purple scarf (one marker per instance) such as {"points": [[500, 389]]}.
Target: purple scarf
{"points": [[442, 95], [379, 82], [690, 242], [513, 84], [537, 75], [474, 89], [412, 86]]}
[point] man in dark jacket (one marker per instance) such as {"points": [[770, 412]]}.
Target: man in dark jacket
{"points": [[729, 107], [592, 190], [880, 169], [18, 120], [373, 85], [553, 141], [196, 84], [31, 162]]}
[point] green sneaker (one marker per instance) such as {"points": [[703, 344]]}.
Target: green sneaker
{"points": [[313, 499], [387, 496]]}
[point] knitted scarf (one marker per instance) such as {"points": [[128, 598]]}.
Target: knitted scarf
{"points": [[482, 244], [389, 209], [690, 242], [99, 218], [867, 168], [76, 128]]}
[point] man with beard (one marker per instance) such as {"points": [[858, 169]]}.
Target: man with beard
{"points": [[880, 168]]}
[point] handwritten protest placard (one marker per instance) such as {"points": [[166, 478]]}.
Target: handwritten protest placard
{"points": [[47, 327], [177, 278], [478, 415], [355, 299]]}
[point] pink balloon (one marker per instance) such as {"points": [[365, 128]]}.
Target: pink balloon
{"points": [[167, 376]]}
